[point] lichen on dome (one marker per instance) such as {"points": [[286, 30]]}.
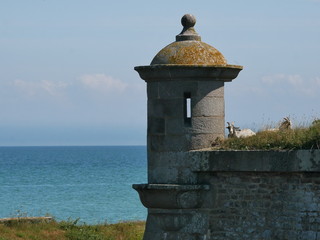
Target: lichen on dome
{"points": [[188, 49], [189, 53]]}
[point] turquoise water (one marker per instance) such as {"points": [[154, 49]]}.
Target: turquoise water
{"points": [[90, 183]]}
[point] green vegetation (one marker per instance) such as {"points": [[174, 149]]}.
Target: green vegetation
{"points": [[298, 138], [70, 230]]}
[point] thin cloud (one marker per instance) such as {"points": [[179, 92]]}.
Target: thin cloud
{"points": [[295, 82], [103, 83], [32, 88], [278, 78]]}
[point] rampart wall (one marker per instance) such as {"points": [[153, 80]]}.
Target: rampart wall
{"points": [[235, 195]]}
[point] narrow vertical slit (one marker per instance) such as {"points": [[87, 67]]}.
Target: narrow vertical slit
{"points": [[187, 109], [188, 102]]}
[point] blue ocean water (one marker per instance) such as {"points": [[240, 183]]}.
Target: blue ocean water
{"points": [[90, 183]]}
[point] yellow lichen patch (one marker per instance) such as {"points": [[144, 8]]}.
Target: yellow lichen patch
{"points": [[189, 53]]}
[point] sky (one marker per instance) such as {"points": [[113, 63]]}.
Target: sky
{"points": [[67, 77]]}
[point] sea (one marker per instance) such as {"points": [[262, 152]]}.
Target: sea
{"points": [[88, 184]]}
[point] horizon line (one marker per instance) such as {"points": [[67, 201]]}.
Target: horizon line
{"points": [[131, 145]]}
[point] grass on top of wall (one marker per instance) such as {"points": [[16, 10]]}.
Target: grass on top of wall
{"points": [[297, 138], [70, 230]]}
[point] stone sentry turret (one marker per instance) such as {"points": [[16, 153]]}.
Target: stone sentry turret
{"points": [[185, 87]]}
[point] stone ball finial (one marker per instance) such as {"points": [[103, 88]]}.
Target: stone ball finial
{"points": [[188, 20], [188, 33]]}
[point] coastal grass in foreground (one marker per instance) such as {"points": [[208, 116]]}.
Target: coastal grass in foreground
{"points": [[70, 230], [291, 139]]}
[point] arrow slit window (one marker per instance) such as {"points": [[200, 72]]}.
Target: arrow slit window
{"points": [[187, 109]]}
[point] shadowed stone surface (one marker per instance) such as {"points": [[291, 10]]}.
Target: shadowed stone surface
{"points": [[258, 161], [243, 195]]}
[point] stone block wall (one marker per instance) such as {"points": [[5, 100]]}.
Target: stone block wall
{"points": [[261, 195], [168, 129], [233, 195], [268, 206]]}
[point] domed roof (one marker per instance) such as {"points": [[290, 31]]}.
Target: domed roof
{"points": [[188, 49]]}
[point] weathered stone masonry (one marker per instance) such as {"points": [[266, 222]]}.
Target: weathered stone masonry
{"points": [[196, 194], [262, 194], [265, 206]]}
